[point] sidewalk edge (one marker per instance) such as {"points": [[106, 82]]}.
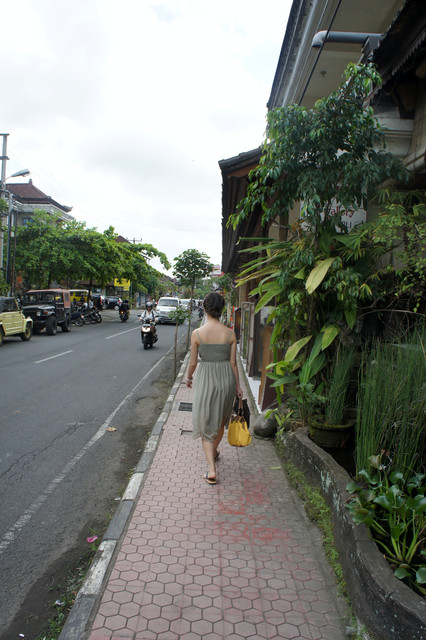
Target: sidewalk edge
{"points": [[92, 587]]}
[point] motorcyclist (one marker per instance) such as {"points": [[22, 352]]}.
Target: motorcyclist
{"points": [[125, 307], [149, 314]]}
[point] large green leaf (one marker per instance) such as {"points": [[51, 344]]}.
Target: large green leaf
{"points": [[329, 334], [421, 575], [292, 351], [384, 502], [318, 274], [273, 289], [401, 573], [350, 315], [317, 348], [284, 380]]}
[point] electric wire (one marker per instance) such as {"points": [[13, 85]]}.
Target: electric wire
{"points": [[319, 52]]}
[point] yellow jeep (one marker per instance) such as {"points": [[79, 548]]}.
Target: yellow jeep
{"points": [[12, 320]]}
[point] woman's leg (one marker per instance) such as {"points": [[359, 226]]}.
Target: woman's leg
{"points": [[210, 452], [218, 439]]}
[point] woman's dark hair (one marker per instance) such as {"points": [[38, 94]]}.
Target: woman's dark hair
{"points": [[213, 304]]}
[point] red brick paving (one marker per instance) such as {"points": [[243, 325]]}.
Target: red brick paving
{"points": [[235, 561]]}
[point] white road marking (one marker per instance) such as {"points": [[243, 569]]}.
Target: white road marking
{"points": [[121, 333], [16, 529], [58, 355]]}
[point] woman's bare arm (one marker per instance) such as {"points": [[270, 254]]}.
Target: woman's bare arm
{"points": [[233, 362], [193, 360]]}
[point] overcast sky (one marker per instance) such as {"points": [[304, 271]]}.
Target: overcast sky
{"points": [[122, 110]]}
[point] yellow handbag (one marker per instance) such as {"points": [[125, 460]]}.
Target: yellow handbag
{"points": [[238, 432]]}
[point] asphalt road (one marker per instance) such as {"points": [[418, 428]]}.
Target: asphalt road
{"points": [[60, 463]]}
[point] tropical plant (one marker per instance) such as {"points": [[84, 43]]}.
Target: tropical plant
{"points": [[329, 159], [399, 233], [393, 508], [391, 411], [340, 379]]}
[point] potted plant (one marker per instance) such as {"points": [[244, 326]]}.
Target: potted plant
{"points": [[336, 427]]}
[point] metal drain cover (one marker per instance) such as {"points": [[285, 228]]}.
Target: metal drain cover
{"points": [[185, 406]]}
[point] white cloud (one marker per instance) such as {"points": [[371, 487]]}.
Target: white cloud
{"points": [[123, 110]]}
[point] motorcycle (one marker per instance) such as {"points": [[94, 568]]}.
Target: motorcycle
{"points": [[77, 318], [124, 315], [148, 333]]}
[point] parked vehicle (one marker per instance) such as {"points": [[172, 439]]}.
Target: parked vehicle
{"points": [[99, 300], [77, 318], [148, 333], [92, 316], [164, 307], [48, 309], [113, 302], [12, 321], [78, 296]]}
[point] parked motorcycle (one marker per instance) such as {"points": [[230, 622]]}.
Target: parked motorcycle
{"points": [[77, 318], [124, 315], [148, 333]]}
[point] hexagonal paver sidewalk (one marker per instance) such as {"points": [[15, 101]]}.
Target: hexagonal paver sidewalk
{"points": [[237, 560]]}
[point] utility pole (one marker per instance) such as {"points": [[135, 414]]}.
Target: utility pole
{"points": [[3, 159]]}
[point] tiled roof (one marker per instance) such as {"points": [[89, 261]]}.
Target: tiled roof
{"points": [[27, 193]]}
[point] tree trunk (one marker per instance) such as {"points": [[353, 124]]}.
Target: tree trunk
{"points": [[176, 337]]}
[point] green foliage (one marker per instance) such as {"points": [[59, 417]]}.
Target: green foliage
{"points": [[334, 150], [179, 315], [399, 233], [316, 278], [340, 379], [50, 250], [191, 265], [4, 287], [392, 403], [394, 510], [227, 287]]}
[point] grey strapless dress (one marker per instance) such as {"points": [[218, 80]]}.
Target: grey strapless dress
{"points": [[214, 390]]}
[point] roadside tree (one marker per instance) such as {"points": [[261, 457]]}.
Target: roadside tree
{"points": [[332, 154], [190, 266]]}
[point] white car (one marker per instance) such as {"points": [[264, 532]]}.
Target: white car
{"points": [[164, 307]]}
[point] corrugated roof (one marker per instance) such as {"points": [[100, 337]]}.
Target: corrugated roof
{"points": [[404, 38]]}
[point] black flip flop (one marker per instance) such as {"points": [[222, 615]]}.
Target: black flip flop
{"points": [[209, 480]]}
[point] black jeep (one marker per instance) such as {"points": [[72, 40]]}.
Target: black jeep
{"points": [[48, 308]]}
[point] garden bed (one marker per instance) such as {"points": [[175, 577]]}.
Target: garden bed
{"points": [[389, 609]]}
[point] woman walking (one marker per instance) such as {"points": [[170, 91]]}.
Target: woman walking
{"points": [[217, 382]]}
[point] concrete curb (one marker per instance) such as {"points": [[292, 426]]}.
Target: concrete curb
{"points": [[92, 588], [389, 609]]}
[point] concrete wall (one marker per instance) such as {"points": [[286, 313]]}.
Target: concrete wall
{"points": [[388, 608]]}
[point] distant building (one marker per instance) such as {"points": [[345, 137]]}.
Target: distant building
{"points": [[29, 198]]}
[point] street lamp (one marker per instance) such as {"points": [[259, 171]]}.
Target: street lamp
{"points": [[11, 232], [22, 173]]}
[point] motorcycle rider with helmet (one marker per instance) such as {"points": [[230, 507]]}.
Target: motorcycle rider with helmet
{"points": [[124, 308], [149, 314]]}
